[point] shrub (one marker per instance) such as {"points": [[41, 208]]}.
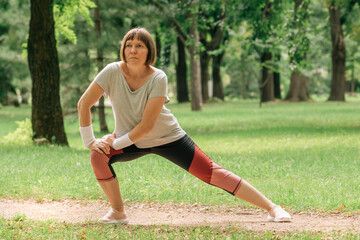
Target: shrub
{"points": [[21, 136]]}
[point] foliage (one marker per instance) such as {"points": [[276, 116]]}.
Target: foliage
{"points": [[5, 84], [266, 19], [319, 55], [13, 31], [22, 136], [242, 64], [65, 12], [77, 62], [298, 43]]}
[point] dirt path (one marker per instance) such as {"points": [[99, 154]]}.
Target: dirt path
{"points": [[178, 215]]}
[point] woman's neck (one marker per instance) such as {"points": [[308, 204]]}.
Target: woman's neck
{"points": [[136, 71]]}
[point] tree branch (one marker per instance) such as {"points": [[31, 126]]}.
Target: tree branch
{"points": [[170, 20]]}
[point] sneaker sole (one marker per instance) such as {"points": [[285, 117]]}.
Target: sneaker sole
{"points": [[272, 219], [121, 221]]}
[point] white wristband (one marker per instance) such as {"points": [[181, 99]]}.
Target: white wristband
{"points": [[122, 142], [87, 135]]}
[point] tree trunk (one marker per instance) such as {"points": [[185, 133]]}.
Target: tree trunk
{"points": [[181, 74], [298, 90], [46, 118], [158, 49], [352, 89], [217, 38], [196, 98], [243, 85], [205, 77], [267, 80], [100, 60], [218, 90], [166, 56], [338, 55], [277, 89], [192, 10]]}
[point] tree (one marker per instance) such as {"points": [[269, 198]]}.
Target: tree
{"points": [[242, 64], [189, 35], [265, 17], [267, 81], [338, 54], [217, 60], [181, 73], [100, 60], [218, 89], [164, 40], [79, 63], [298, 49], [14, 73], [195, 69], [204, 63], [46, 118], [277, 87], [211, 29]]}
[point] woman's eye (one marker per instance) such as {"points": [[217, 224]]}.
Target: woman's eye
{"points": [[128, 45], [139, 46]]}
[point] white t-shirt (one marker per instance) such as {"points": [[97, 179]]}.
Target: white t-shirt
{"points": [[128, 106]]}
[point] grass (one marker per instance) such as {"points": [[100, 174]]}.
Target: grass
{"points": [[296, 154], [22, 228], [302, 155]]}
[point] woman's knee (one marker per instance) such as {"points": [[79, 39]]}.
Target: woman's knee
{"points": [[100, 164], [98, 159], [208, 171]]}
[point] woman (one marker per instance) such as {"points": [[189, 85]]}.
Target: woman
{"points": [[143, 125]]}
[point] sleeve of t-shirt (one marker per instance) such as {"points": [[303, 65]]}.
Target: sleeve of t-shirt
{"points": [[160, 87], [104, 78]]}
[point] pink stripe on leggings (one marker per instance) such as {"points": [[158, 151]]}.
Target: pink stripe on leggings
{"points": [[100, 164], [208, 171]]}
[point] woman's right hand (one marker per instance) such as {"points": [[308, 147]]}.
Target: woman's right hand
{"points": [[109, 138], [100, 145]]}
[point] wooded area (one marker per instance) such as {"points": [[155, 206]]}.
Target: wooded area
{"points": [[217, 49]]}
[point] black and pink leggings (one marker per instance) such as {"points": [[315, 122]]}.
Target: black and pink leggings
{"points": [[182, 152]]}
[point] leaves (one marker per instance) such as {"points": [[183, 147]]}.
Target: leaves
{"points": [[341, 208], [22, 136], [65, 14]]}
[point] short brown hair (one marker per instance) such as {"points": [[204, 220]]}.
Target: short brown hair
{"points": [[143, 35]]}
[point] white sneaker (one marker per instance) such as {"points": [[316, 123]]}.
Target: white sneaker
{"points": [[114, 216], [277, 214]]}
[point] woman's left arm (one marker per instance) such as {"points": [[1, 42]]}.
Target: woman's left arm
{"points": [[151, 113]]}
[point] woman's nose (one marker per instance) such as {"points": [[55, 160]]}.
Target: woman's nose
{"points": [[133, 49]]}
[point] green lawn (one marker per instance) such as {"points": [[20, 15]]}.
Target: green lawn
{"points": [[22, 228], [305, 156]]}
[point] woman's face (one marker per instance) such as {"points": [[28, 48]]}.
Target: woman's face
{"points": [[135, 52]]}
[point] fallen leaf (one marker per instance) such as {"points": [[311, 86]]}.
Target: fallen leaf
{"points": [[341, 207]]}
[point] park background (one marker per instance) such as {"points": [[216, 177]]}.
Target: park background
{"points": [[267, 88]]}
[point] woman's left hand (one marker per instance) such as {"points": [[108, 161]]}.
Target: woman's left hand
{"points": [[109, 138]]}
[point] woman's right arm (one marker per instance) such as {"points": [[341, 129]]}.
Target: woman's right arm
{"points": [[87, 100]]}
